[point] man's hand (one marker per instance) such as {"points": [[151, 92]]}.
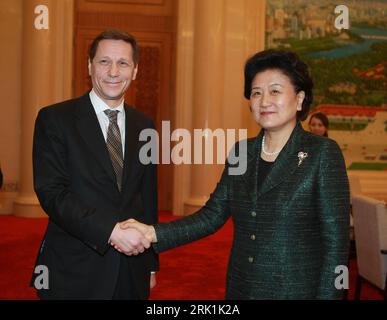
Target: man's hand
{"points": [[147, 230], [129, 241]]}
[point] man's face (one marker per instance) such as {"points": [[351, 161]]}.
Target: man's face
{"points": [[112, 70]]}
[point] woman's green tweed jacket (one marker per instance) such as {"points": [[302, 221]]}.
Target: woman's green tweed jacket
{"points": [[289, 235]]}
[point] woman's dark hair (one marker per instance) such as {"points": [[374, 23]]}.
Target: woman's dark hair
{"points": [[289, 64], [115, 34], [323, 118]]}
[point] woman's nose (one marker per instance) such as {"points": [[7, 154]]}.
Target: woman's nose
{"points": [[265, 100]]}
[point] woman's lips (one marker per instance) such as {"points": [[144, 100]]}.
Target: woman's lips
{"points": [[266, 113]]}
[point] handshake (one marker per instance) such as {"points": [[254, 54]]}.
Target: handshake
{"points": [[132, 237]]}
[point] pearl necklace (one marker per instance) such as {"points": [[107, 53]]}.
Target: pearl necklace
{"points": [[268, 153]]}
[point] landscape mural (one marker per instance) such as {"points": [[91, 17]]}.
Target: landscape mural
{"points": [[348, 65]]}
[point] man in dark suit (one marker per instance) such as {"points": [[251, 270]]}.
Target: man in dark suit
{"points": [[88, 178]]}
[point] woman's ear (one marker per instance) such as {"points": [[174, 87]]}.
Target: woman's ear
{"points": [[300, 100]]}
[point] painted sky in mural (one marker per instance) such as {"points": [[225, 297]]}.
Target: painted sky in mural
{"points": [[349, 68]]}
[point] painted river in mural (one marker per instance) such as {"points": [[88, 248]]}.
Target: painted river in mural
{"points": [[369, 35]]}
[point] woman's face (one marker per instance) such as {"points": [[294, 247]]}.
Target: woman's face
{"points": [[274, 102], [317, 127]]}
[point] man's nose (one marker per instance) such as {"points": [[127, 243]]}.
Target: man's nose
{"points": [[113, 70]]}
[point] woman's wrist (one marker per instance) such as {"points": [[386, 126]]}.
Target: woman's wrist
{"points": [[152, 232]]}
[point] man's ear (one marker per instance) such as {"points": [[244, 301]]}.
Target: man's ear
{"points": [[135, 72], [300, 100], [89, 66]]}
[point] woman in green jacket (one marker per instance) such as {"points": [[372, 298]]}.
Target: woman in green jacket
{"points": [[290, 209]]}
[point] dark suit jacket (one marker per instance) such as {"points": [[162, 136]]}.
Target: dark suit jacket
{"points": [[76, 186], [290, 234]]}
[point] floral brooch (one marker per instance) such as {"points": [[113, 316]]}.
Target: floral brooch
{"points": [[301, 157]]}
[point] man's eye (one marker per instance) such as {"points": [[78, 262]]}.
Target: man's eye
{"points": [[104, 62]]}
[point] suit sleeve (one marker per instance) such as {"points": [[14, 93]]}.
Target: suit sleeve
{"points": [[333, 204], [52, 183], [202, 223]]}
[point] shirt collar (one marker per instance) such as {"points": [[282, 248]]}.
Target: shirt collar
{"points": [[100, 106]]}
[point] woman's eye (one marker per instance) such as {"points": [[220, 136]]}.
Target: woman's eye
{"points": [[275, 92], [255, 94]]}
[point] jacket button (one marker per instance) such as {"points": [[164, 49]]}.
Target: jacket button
{"points": [[252, 237], [251, 259], [253, 214]]}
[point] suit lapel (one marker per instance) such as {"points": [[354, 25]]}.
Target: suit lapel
{"points": [[90, 130], [131, 143], [286, 162]]}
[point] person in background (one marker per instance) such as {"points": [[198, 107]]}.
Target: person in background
{"points": [[289, 209], [88, 178], [319, 124]]}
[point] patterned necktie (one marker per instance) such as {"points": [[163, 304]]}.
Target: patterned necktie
{"points": [[114, 145]]}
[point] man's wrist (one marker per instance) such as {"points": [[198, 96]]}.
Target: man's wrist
{"points": [[111, 235]]}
